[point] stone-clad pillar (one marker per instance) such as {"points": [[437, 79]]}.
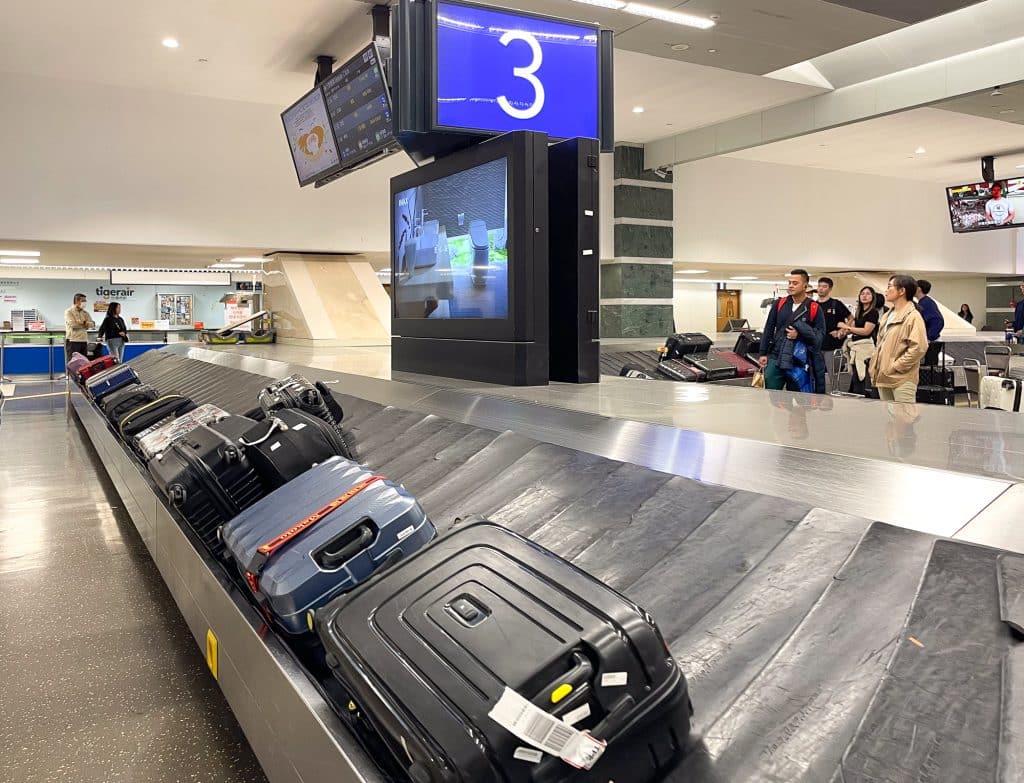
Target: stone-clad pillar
{"points": [[636, 282]]}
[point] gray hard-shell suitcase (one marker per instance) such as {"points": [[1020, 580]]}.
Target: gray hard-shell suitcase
{"points": [[320, 535]]}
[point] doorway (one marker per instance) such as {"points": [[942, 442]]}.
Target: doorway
{"points": [[728, 308]]}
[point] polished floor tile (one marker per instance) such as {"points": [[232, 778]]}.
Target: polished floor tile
{"points": [[102, 679]]}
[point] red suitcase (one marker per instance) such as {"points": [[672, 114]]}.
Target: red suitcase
{"points": [[95, 367], [744, 367]]}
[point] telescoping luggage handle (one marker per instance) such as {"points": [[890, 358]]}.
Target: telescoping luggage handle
{"points": [[267, 550]]}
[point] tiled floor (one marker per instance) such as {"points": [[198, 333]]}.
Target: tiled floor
{"points": [[101, 679]]}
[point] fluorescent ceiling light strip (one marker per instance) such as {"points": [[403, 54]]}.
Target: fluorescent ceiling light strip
{"points": [[224, 265], [20, 253], [248, 260], [615, 5], [19, 261], [665, 15]]}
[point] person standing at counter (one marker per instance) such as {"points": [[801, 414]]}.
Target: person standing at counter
{"points": [[76, 327], [114, 331]]}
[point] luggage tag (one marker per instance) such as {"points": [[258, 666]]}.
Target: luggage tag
{"points": [[542, 730]]}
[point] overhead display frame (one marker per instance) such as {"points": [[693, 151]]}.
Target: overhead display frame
{"points": [[498, 71], [463, 72], [308, 130]]}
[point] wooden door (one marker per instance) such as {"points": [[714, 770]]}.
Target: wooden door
{"points": [[728, 308]]}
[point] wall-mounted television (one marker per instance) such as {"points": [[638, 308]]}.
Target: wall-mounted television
{"points": [[985, 206], [344, 123], [469, 243], [464, 71]]}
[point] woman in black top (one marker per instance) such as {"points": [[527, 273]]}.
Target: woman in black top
{"points": [[966, 314], [114, 331], [862, 334]]}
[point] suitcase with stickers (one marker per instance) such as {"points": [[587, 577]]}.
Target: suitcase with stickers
{"points": [[158, 438], [321, 535], [487, 658]]}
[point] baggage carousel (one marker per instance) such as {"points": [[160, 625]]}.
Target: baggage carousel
{"points": [[819, 646]]}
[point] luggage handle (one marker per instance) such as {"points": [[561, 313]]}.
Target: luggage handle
{"points": [[350, 543], [581, 672], [552, 768]]}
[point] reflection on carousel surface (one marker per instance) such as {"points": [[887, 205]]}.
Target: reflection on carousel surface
{"points": [[454, 277]]}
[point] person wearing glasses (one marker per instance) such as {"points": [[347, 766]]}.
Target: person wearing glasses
{"points": [[902, 343]]}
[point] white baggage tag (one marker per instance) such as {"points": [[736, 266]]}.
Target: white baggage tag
{"points": [[543, 730]]}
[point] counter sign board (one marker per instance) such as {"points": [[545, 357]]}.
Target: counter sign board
{"points": [[502, 71]]}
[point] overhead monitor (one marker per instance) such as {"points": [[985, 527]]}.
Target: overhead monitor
{"points": [[310, 138], [359, 107], [986, 206], [499, 71]]}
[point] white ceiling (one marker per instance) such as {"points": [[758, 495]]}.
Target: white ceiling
{"points": [[886, 146], [149, 256]]}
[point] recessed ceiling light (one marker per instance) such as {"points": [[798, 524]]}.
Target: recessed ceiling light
{"points": [[202, 60], [743, 277], [679, 47], [248, 260], [19, 261], [20, 253], [920, 151], [691, 272], [226, 265], [712, 51], [638, 110], [1008, 111], [171, 43], [666, 15]]}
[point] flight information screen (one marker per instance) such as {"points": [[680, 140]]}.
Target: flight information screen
{"points": [[359, 107], [310, 138]]}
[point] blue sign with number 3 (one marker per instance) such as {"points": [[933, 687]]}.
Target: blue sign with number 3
{"points": [[501, 71]]}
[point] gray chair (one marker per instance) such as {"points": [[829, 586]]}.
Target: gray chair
{"points": [[997, 359]]}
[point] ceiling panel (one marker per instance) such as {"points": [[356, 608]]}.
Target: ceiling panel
{"points": [[909, 11], [886, 146], [1008, 107]]}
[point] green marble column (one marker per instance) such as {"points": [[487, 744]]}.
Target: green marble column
{"points": [[636, 281]]}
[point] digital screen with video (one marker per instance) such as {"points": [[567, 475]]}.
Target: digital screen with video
{"points": [[308, 129], [450, 251], [985, 206]]}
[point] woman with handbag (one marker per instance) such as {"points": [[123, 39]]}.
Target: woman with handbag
{"points": [[114, 331]]}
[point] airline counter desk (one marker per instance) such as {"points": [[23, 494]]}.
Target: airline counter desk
{"points": [[42, 353]]}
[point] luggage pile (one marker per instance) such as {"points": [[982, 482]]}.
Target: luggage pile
{"points": [[473, 656]]}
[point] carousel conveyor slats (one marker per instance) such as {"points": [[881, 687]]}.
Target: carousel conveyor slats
{"points": [[792, 623]]}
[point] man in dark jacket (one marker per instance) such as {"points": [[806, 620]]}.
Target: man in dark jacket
{"points": [[1018, 315], [796, 318], [934, 323]]}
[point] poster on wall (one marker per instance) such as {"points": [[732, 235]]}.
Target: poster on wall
{"points": [[176, 309]]}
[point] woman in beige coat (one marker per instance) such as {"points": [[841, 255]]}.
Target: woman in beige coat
{"points": [[902, 343]]}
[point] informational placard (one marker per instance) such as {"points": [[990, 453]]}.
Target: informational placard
{"points": [[502, 71], [310, 138], [359, 107]]}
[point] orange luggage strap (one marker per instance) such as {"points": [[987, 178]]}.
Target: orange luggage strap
{"points": [[272, 546]]}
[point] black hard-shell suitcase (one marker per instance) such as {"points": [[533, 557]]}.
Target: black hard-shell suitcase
{"points": [[166, 406], [119, 403], [679, 345], [208, 478], [936, 395], [748, 344], [296, 391], [937, 376], [714, 368], [679, 371], [632, 371], [288, 443], [430, 649]]}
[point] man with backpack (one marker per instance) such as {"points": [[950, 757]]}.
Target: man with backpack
{"points": [[790, 352]]}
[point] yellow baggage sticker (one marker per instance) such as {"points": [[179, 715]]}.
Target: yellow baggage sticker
{"points": [[211, 652]]}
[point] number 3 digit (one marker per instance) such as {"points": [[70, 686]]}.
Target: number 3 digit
{"points": [[527, 73]]}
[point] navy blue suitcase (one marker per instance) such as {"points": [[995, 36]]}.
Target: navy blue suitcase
{"points": [[114, 379], [320, 535]]}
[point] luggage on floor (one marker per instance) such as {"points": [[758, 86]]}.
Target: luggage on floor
{"points": [[936, 395], [1000, 393], [714, 368], [679, 345], [116, 404], [320, 535], [260, 337], [444, 654], [936, 376], [95, 367], [680, 371], [117, 377], [74, 365], [288, 443], [207, 477], [744, 367], [166, 406], [748, 344], [160, 436]]}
